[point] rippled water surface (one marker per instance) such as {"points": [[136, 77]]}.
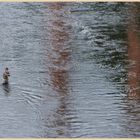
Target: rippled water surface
{"points": [[75, 69]]}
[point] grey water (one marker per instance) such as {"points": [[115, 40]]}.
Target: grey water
{"points": [[75, 70]]}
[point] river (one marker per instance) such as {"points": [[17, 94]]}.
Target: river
{"points": [[75, 70]]}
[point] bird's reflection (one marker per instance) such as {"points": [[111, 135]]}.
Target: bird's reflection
{"points": [[6, 89]]}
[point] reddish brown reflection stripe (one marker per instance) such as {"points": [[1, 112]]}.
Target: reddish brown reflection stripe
{"points": [[134, 57], [59, 56]]}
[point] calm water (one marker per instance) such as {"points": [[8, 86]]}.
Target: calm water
{"points": [[75, 69]]}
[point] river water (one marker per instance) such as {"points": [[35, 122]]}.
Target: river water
{"points": [[75, 70]]}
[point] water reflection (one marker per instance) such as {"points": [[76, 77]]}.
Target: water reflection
{"points": [[101, 52], [6, 89], [59, 56], [114, 44], [131, 123], [131, 108], [134, 54]]}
